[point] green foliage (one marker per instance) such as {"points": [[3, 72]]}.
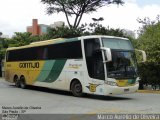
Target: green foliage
{"points": [[25, 38], [98, 29], [149, 73], [84, 29], [76, 8], [22, 38], [64, 32], [3, 43], [2, 54], [147, 22], [19, 39], [149, 41], [3, 46]]}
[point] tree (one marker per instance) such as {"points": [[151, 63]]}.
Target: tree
{"points": [[84, 29], [64, 32], [98, 29], [149, 39], [3, 46], [98, 19], [24, 38], [1, 34], [21, 39], [76, 8], [146, 22]]}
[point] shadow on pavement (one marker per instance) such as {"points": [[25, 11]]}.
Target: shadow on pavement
{"points": [[67, 93], [108, 98]]}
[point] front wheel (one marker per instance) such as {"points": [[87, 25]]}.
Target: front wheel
{"points": [[76, 89]]}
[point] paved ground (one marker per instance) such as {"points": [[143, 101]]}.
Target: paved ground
{"points": [[40, 100]]}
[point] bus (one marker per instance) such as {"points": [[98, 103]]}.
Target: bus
{"points": [[96, 64]]}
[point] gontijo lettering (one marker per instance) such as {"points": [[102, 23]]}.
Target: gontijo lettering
{"points": [[29, 65]]}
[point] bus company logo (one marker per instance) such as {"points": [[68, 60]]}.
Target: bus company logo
{"points": [[92, 87], [29, 65], [75, 66]]}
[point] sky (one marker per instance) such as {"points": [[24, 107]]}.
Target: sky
{"points": [[16, 15]]}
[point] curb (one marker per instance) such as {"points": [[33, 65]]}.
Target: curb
{"points": [[149, 91]]}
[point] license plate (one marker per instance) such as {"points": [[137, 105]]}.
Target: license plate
{"points": [[126, 90]]}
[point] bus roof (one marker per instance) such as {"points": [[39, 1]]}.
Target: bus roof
{"points": [[61, 40], [46, 42], [101, 36]]}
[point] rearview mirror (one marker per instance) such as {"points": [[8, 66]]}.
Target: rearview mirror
{"points": [[144, 57], [107, 54]]}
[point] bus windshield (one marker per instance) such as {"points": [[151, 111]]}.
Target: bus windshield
{"points": [[123, 64]]}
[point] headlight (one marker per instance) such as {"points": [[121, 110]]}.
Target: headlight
{"points": [[111, 83]]}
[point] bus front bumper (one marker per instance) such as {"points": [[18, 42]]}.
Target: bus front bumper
{"points": [[115, 90]]}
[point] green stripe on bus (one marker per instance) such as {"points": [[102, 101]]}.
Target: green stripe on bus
{"points": [[131, 81], [46, 69], [56, 70]]}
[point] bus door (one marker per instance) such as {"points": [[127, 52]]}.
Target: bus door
{"points": [[94, 62]]}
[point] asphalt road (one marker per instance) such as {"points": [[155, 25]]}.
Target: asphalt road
{"points": [[47, 101]]}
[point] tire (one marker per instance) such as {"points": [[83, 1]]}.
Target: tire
{"points": [[76, 89], [16, 81], [22, 82]]}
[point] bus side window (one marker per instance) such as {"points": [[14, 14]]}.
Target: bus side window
{"points": [[41, 53], [45, 53]]}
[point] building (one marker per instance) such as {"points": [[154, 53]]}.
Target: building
{"points": [[37, 29], [40, 29], [57, 24]]}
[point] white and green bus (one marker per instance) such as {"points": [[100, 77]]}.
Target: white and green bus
{"points": [[101, 65]]}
